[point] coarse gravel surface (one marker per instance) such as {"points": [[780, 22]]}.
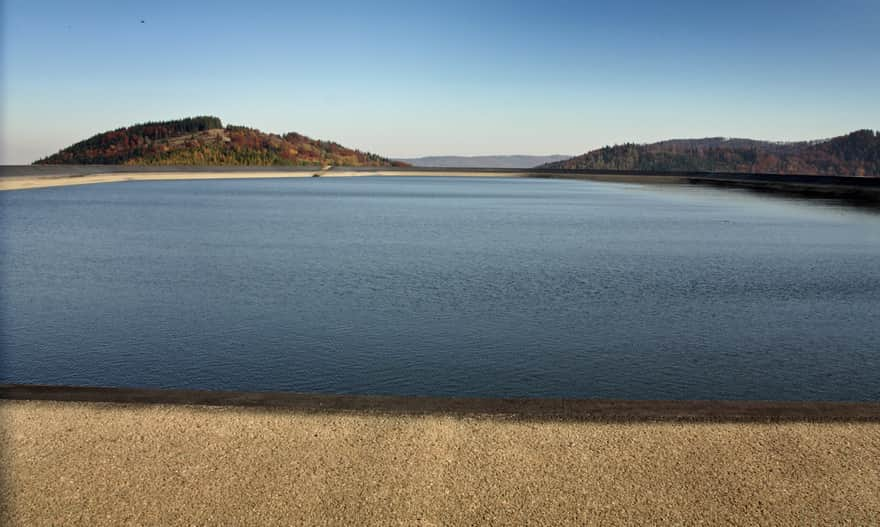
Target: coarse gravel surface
{"points": [[72, 463]]}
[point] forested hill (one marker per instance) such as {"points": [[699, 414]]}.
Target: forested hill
{"points": [[205, 141], [855, 154]]}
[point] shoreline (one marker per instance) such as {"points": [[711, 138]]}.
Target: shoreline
{"points": [[13, 182], [535, 409], [858, 190]]}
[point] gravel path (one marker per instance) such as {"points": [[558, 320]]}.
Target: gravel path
{"points": [[68, 463]]}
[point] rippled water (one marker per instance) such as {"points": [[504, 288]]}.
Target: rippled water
{"points": [[441, 286]]}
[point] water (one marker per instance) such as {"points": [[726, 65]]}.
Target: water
{"points": [[441, 286]]}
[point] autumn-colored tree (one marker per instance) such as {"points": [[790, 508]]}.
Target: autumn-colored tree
{"points": [[204, 141]]}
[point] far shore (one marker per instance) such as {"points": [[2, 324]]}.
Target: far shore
{"points": [[43, 181], [854, 189]]}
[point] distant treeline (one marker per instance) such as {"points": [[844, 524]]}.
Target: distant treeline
{"points": [[855, 154], [204, 141]]}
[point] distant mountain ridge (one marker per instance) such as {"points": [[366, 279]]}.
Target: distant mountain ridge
{"points": [[205, 141], [854, 154], [499, 161]]}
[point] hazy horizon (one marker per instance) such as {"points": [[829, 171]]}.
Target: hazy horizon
{"points": [[424, 79]]}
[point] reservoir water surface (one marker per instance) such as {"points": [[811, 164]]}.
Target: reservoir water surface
{"points": [[441, 286]]}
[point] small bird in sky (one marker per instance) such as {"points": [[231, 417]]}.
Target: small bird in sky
{"points": [[142, 21]]}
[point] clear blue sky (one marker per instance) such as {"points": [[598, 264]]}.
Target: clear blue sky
{"points": [[442, 77]]}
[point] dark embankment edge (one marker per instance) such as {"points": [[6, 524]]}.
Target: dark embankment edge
{"points": [[526, 409], [864, 190]]}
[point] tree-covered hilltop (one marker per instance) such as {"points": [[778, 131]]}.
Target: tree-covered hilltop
{"points": [[205, 141], [855, 154]]}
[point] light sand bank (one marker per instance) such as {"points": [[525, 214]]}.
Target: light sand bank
{"points": [[31, 182], [69, 463]]}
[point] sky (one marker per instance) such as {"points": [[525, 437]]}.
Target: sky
{"points": [[413, 78]]}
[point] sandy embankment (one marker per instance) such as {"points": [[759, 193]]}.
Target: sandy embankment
{"points": [[28, 182], [68, 463], [39, 181]]}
